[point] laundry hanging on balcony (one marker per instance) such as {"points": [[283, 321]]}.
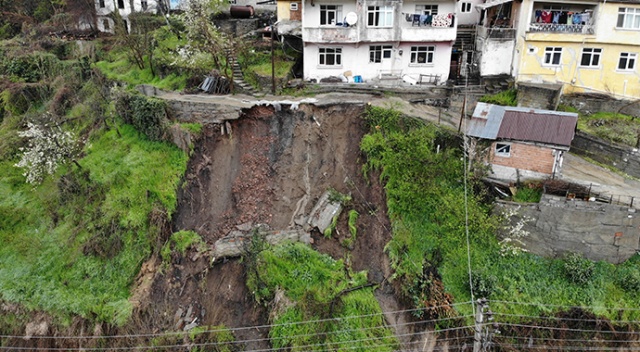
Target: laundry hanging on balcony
{"points": [[444, 20]]}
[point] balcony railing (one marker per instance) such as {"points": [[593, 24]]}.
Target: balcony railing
{"points": [[496, 33], [561, 28]]}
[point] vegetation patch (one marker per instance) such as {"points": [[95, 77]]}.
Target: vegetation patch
{"points": [[74, 245], [426, 201], [330, 307], [507, 97], [612, 127]]}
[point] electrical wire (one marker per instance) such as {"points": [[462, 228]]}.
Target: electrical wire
{"points": [[204, 344], [537, 327], [566, 306], [502, 337], [567, 319], [260, 326]]}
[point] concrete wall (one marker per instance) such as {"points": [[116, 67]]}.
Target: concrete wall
{"points": [[598, 231], [468, 18], [539, 97], [285, 13], [130, 6], [624, 158], [355, 58], [495, 56], [238, 26]]}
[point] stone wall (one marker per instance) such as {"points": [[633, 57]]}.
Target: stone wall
{"points": [[598, 231], [624, 158], [592, 103], [544, 97]]}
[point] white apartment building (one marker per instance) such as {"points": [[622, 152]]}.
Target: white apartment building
{"points": [[374, 39], [125, 8]]}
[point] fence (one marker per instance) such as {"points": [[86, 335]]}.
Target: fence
{"points": [[571, 190]]}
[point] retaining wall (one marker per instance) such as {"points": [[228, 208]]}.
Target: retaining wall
{"points": [[596, 230], [624, 158]]}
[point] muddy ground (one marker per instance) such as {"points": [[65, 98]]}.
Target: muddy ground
{"points": [[271, 169]]}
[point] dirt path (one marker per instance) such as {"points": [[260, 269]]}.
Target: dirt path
{"points": [[604, 181]]}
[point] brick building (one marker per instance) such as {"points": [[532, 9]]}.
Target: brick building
{"points": [[525, 143]]}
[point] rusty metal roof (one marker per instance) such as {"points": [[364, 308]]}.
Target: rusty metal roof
{"points": [[523, 124]]}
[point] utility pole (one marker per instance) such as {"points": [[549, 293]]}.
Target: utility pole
{"points": [[483, 331], [273, 63]]}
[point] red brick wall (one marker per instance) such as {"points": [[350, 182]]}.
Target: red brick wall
{"points": [[525, 157]]}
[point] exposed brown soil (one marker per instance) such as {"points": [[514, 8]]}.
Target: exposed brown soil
{"points": [[271, 170]]}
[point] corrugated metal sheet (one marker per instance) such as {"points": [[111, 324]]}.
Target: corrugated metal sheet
{"points": [[557, 129], [523, 124], [485, 121]]}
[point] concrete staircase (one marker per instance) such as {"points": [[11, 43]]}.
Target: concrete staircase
{"points": [[465, 38], [239, 83]]}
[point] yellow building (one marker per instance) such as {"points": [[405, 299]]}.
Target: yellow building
{"points": [[587, 46]]}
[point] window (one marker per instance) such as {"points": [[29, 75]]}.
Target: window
{"points": [[503, 149], [427, 9], [106, 25], [330, 14], [379, 52], [380, 16], [466, 7], [422, 54], [102, 6], [121, 4], [552, 56], [627, 61], [628, 18], [590, 57], [144, 5], [293, 6], [330, 57]]}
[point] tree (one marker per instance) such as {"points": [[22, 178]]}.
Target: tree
{"points": [[48, 147]]}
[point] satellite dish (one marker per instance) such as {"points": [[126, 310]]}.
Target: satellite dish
{"points": [[352, 18]]}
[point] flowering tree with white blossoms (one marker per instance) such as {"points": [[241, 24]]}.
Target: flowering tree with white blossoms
{"points": [[513, 233], [204, 38], [49, 146]]}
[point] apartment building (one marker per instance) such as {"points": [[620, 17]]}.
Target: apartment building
{"points": [[585, 46], [373, 40], [124, 7]]}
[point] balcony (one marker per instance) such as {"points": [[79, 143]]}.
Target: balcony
{"points": [[496, 33], [331, 34], [561, 28]]}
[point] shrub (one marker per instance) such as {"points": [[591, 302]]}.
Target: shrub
{"points": [[146, 114], [629, 280], [506, 98], [483, 283], [578, 269]]}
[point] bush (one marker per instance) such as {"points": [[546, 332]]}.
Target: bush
{"points": [[505, 98], [629, 280], [578, 269], [483, 284], [146, 114]]}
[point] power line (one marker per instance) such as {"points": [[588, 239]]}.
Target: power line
{"points": [[204, 344], [502, 337], [566, 306], [568, 319], [537, 327]]}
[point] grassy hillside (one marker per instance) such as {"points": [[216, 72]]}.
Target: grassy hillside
{"points": [[426, 199]]}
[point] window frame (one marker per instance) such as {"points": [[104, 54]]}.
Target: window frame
{"points": [[144, 4], [550, 54], [594, 53], [634, 23], [630, 58], [336, 10], [323, 54], [102, 4], [429, 52], [380, 13], [379, 53], [121, 4], [293, 6], [427, 9], [500, 150], [464, 5]]}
